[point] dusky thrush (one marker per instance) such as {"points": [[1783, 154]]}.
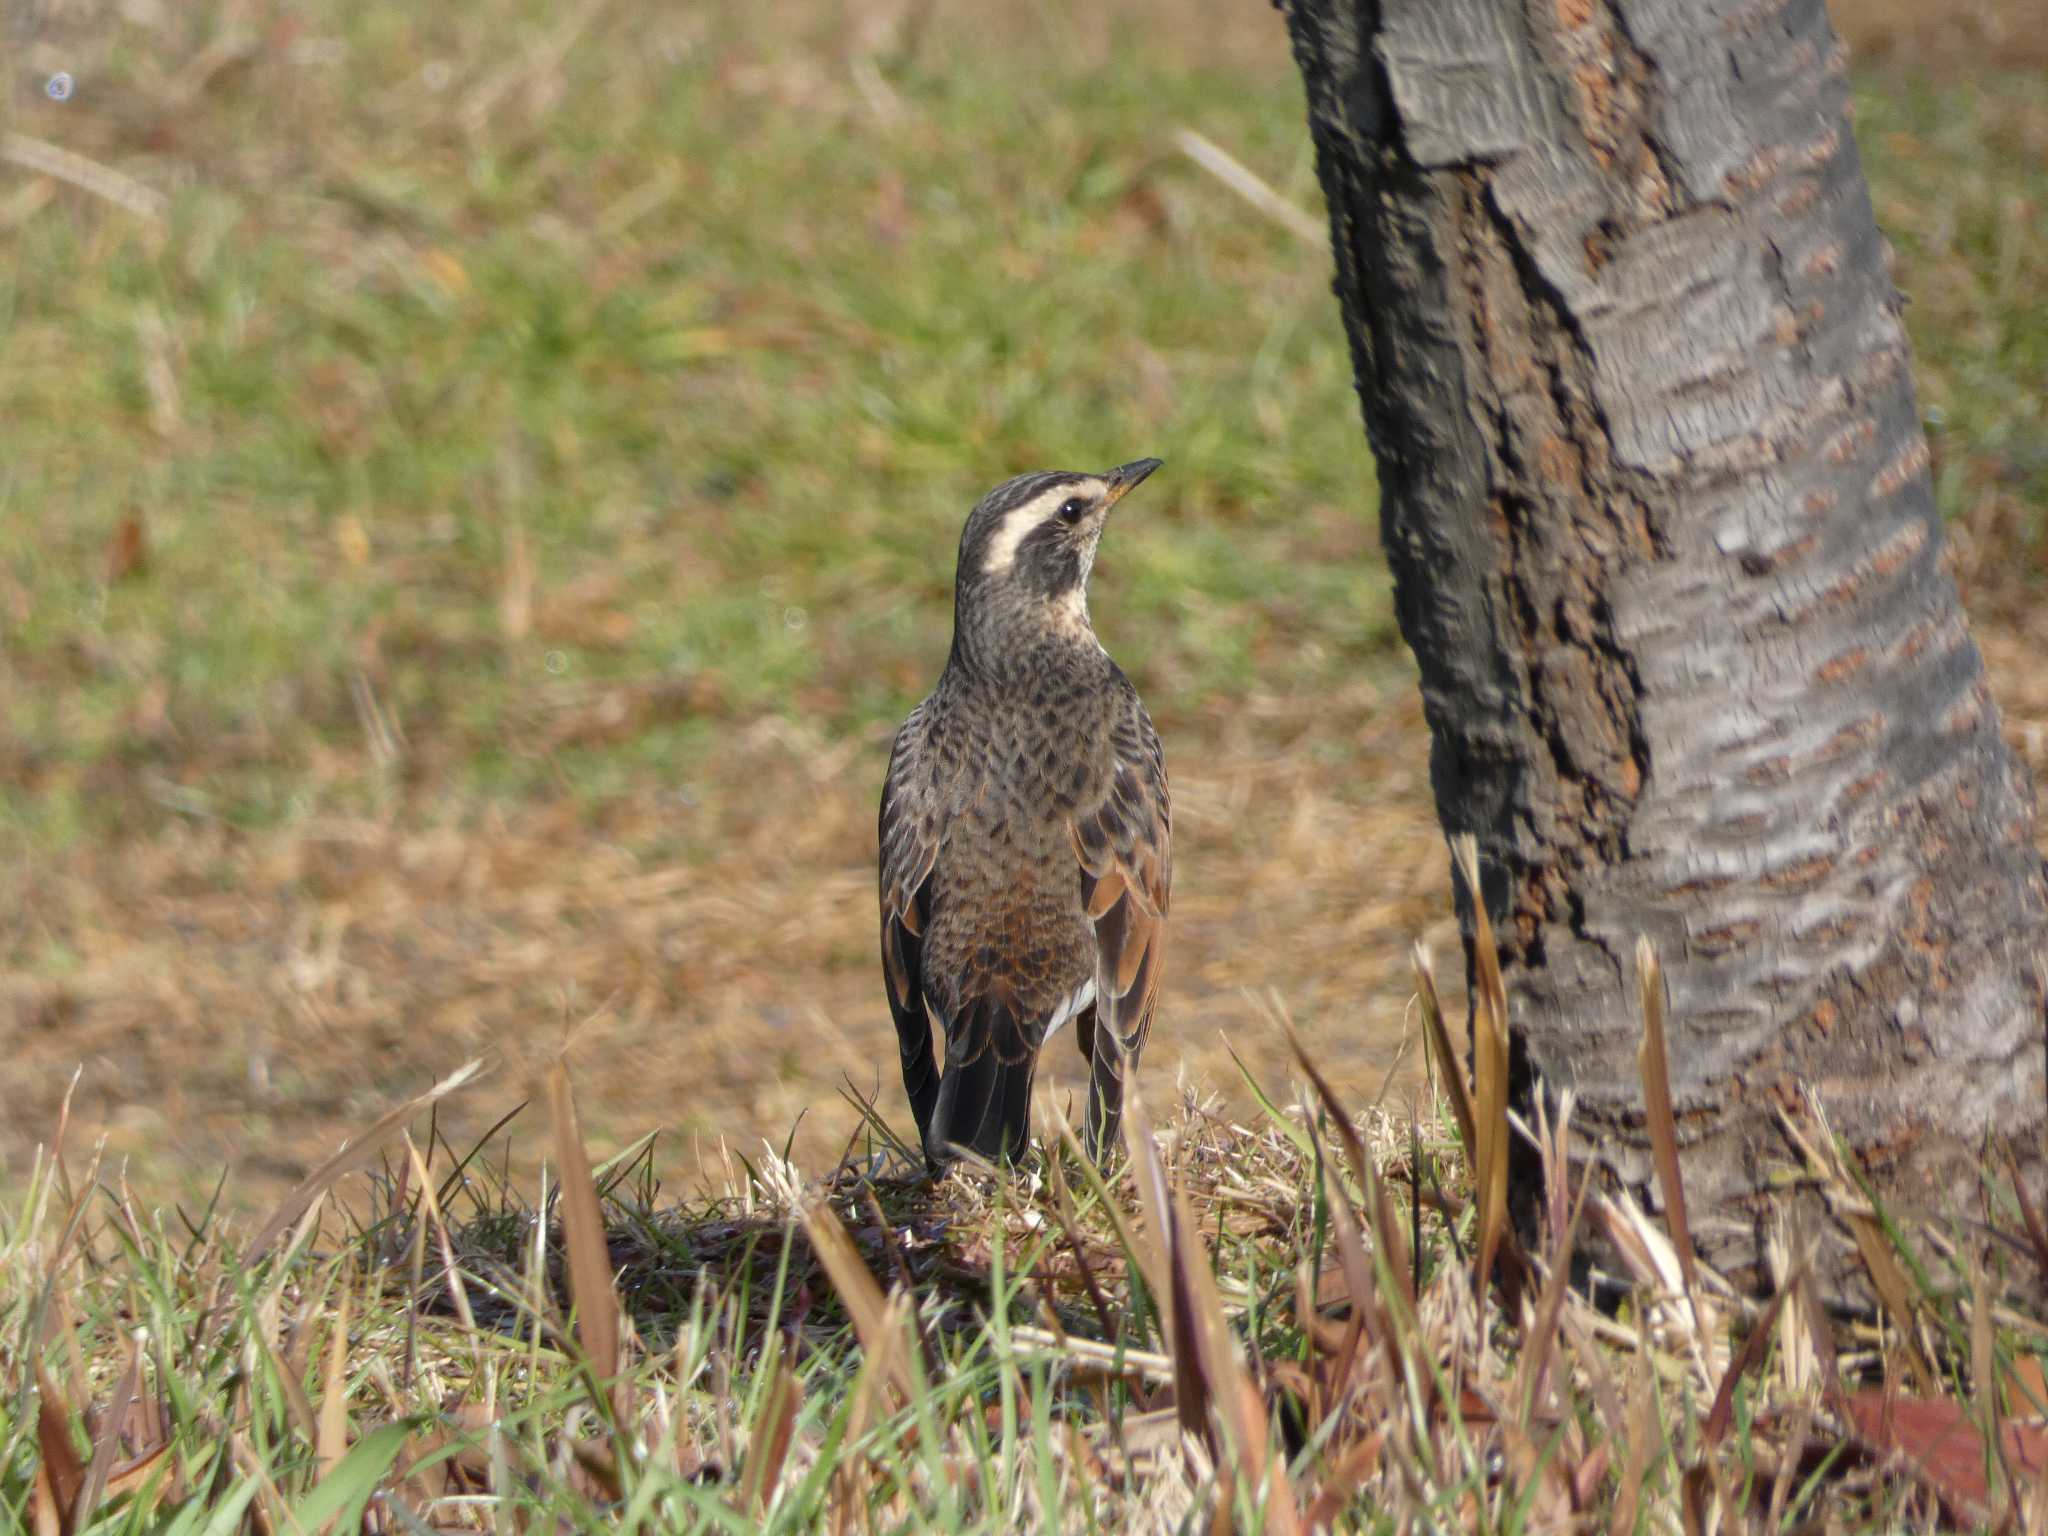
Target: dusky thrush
{"points": [[1026, 845]]}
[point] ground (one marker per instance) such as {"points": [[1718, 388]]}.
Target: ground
{"points": [[482, 486]]}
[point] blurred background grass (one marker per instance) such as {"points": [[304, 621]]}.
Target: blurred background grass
{"points": [[481, 484]]}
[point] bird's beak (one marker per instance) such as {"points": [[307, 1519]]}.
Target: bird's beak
{"points": [[1125, 477]]}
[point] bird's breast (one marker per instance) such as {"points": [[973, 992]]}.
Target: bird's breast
{"points": [[1006, 911]]}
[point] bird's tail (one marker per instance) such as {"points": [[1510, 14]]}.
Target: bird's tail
{"points": [[985, 1094]]}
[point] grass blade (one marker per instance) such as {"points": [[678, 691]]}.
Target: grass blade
{"points": [[590, 1264], [873, 1323], [1489, 1070], [1450, 1072], [343, 1494], [108, 1438], [1653, 1060]]}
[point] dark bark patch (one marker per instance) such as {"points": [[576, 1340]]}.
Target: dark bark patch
{"points": [[1899, 548], [1728, 937], [1846, 665], [1856, 734], [1762, 562], [1902, 471], [1801, 874], [1852, 441], [1823, 261]]}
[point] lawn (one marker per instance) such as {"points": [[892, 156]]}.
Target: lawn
{"points": [[479, 486], [462, 557], [482, 485]]}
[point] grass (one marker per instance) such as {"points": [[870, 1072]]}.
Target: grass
{"points": [[685, 376], [553, 431], [457, 571], [1960, 183], [542, 354], [459, 568], [1296, 1323]]}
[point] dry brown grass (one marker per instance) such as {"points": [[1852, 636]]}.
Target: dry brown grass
{"points": [[240, 1001], [2002, 34], [706, 950], [710, 965], [1287, 1323]]}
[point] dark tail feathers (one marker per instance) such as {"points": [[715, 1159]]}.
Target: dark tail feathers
{"points": [[984, 1100]]}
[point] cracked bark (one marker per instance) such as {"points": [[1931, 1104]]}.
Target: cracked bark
{"points": [[1655, 497]]}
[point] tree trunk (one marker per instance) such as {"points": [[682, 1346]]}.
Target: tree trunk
{"points": [[1655, 496]]}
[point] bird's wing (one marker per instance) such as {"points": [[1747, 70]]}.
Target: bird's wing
{"points": [[1125, 845], [908, 831]]}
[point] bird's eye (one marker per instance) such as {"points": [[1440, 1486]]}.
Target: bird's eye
{"points": [[1071, 509]]}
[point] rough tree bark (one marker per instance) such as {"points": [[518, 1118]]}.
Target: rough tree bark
{"points": [[1655, 496]]}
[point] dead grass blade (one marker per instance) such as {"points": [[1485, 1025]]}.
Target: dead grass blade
{"points": [[768, 1438], [2037, 1234], [1247, 184], [1343, 1480], [1450, 1071], [873, 1321], [61, 1475], [1489, 1071], [132, 1475], [1827, 1162], [1062, 1202], [590, 1264], [1358, 1275], [1209, 1378], [1154, 1254], [1653, 1061], [108, 1438], [1354, 1144], [1393, 1245], [352, 1156], [1644, 1438], [1747, 1359], [42, 158], [1213, 1395], [331, 1442], [458, 1293], [1239, 1407], [1540, 1345]]}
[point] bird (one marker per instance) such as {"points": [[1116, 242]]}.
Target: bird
{"points": [[1025, 832]]}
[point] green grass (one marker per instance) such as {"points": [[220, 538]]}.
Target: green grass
{"points": [[728, 360], [700, 348], [1293, 1327], [670, 378], [1959, 177]]}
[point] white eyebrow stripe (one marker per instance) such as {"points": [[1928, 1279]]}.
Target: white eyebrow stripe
{"points": [[1017, 522]]}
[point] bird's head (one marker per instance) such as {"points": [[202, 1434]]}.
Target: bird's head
{"points": [[1030, 542]]}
